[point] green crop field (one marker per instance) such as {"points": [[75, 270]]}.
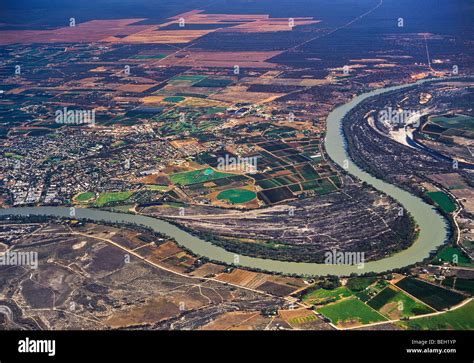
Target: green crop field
{"points": [[188, 78], [174, 99], [452, 255], [197, 176], [468, 244], [213, 110], [303, 319], [213, 82], [267, 183], [13, 156], [395, 304], [308, 173], [371, 290], [160, 188], [320, 186], [459, 319], [351, 310], [465, 285], [360, 283], [109, 197], [432, 295], [237, 196], [460, 284], [443, 201], [84, 197], [461, 122], [323, 296], [151, 56]]}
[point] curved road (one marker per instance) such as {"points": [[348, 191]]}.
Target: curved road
{"points": [[433, 227]]}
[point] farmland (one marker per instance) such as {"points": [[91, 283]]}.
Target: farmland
{"points": [[237, 196], [197, 176], [461, 122], [432, 295], [322, 296], [451, 134], [370, 291], [360, 283], [459, 319], [453, 255], [177, 87], [395, 304], [443, 201], [350, 312], [460, 284]]}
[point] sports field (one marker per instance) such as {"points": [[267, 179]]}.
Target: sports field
{"points": [[443, 201], [197, 176], [84, 197], [459, 319], [351, 311], [237, 196], [109, 197]]}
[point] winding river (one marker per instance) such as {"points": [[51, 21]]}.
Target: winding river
{"points": [[433, 227]]}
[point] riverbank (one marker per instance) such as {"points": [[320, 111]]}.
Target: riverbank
{"points": [[433, 227]]}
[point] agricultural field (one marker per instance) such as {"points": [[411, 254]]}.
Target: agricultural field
{"points": [[351, 312], [149, 56], [443, 201], [432, 295], [109, 197], [197, 176], [468, 244], [450, 134], [292, 167], [322, 296], [452, 255], [174, 99], [460, 284], [285, 167], [160, 188], [237, 196], [460, 122], [370, 291], [303, 319], [213, 83], [459, 319], [360, 283], [395, 304]]}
